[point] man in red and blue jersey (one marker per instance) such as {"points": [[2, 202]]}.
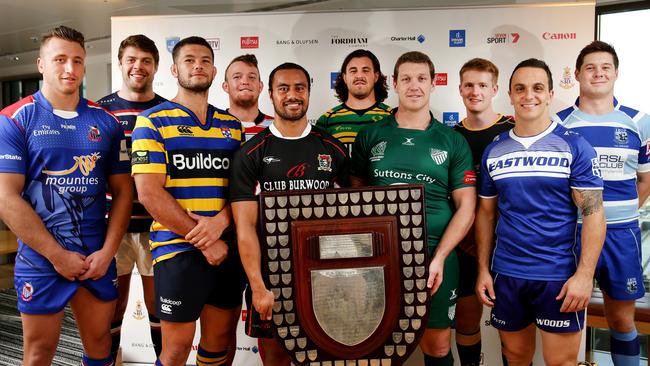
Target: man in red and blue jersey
{"points": [[58, 153]]}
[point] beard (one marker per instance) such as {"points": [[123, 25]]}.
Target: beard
{"points": [[290, 116], [197, 87], [246, 103]]}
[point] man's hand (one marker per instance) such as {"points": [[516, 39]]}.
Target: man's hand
{"points": [[97, 264], [263, 302], [217, 253], [206, 232], [436, 269], [576, 293], [69, 264], [485, 288]]}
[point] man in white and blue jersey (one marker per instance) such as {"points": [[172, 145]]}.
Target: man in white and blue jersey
{"points": [[58, 154], [537, 176], [182, 150], [138, 62], [620, 136]]}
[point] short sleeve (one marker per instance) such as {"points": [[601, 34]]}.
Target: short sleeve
{"points": [[244, 182], [148, 150], [461, 167], [487, 188], [644, 150], [13, 146], [585, 173]]}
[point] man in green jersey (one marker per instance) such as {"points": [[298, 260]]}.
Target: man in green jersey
{"points": [[413, 147], [361, 88]]}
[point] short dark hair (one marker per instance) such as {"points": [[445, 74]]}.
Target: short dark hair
{"points": [[381, 86], [536, 63], [193, 40], [596, 46], [415, 57], [65, 33], [139, 41], [289, 66], [249, 59], [480, 64]]}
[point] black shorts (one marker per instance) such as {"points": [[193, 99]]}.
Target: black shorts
{"points": [[186, 282], [468, 272], [255, 326]]}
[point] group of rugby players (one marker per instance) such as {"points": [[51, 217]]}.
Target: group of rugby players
{"points": [[559, 186]]}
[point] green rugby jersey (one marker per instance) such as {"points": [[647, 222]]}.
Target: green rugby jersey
{"points": [[438, 157], [344, 123]]}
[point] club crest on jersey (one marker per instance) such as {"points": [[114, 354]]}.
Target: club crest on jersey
{"points": [[325, 162], [438, 156], [377, 151], [27, 291], [226, 132], [620, 135], [631, 286], [94, 134]]}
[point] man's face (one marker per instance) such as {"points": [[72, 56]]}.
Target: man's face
{"points": [[243, 84], [597, 75], [194, 68], [529, 94], [413, 85], [62, 64], [477, 89], [289, 94], [138, 69], [360, 77]]}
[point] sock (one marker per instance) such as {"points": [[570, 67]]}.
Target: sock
{"points": [[206, 358], [156, 337], [447, 360], [116, 335], [87, 361], [469, 348], [158, 362], [625, 348]]}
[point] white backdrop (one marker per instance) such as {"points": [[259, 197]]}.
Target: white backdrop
{"points": [[320, 40]]}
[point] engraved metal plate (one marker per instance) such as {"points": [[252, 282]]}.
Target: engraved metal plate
{"points": [[345, 246]]}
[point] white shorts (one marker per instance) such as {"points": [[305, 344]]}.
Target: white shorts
{"points": [[134, 250]]}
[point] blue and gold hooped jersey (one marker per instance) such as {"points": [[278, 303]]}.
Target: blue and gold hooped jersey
{"points": [[66, 158], [169, 139]]}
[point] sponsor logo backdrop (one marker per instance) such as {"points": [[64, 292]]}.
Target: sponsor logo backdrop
{"points": [[320, 41]]}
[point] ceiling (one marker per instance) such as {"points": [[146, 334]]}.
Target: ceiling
{"points": [[25, 20]]}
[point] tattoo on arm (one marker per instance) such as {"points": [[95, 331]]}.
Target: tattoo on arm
{"points": [[589, 201]]}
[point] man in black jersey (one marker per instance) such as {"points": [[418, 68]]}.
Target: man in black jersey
{"points": [[478, 86], [289, 155]]}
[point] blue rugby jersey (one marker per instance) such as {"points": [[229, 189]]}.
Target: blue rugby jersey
{"points": [[532, 178], [621, 140], [66, 163], [169, 139]]}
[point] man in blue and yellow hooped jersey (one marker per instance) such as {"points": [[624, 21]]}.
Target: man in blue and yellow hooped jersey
{"points": [[180, 161]]}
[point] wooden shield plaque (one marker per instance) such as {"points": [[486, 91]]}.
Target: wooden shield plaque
{"points": [[348, 269]]}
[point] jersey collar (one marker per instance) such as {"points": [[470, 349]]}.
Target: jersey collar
{"points": [[274, 130]]}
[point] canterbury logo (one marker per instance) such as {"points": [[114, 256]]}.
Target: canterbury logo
{"points": [[85, 164], [184, 130]]}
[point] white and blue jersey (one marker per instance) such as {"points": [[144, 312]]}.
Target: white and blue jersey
{"points": [[621, 140], [532, 178], [66, 158]]}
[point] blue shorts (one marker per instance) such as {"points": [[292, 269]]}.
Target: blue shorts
{"points": [[521, 302], [50, 294], [619, 271]]}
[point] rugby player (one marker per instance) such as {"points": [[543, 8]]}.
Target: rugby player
{"points": [[620, 136], [537, 176], [181, 157], [58, 154], [285, 156], [137, 58], [413, 147], [478, 86], [361, 88]]}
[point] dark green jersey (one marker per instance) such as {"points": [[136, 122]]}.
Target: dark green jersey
{"points": [[344, 122], [437, 157]]}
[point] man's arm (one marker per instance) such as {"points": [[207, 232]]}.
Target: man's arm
{"points": [[643, 186], [245, 216], [484, 235], [465, 203], [23, 221], [121, 190], [577, 289], [161, 205]]}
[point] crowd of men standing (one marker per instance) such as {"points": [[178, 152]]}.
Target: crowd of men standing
{"points": [[182, 178]]}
